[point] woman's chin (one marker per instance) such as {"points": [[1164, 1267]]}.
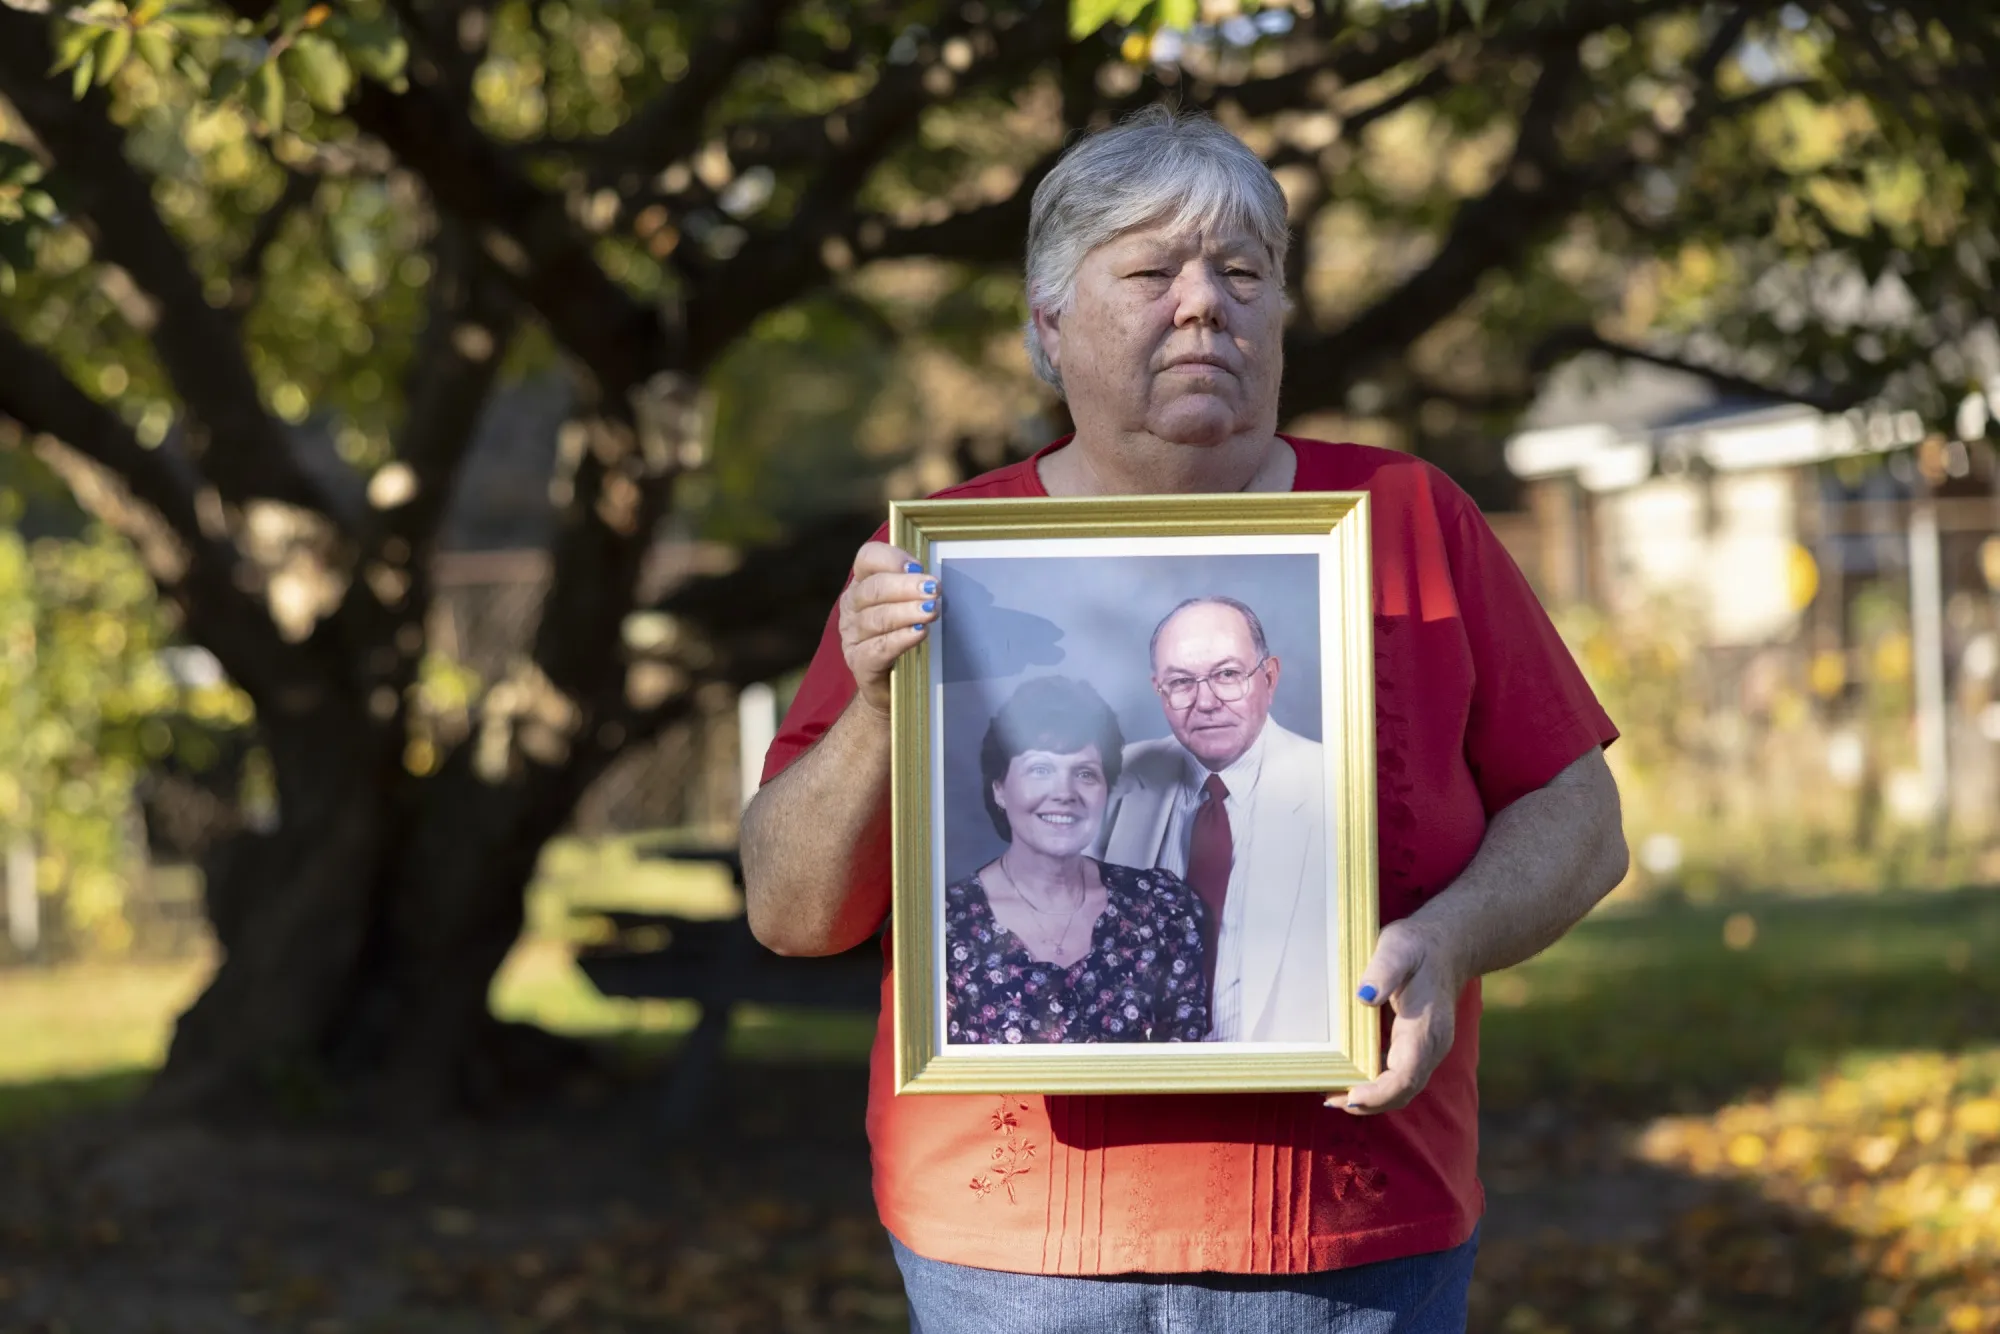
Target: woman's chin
{"points": [[1054, 850], [1197, 421]]}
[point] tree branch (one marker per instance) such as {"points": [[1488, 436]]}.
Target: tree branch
{"points": [[473, 318], [1535, 191], [245, 450], [1531, 191], [526, 231], [248, 271], [523, 229], [189, 556], [669, 127], [1368, 53], [775, 266], [1571, 340]]}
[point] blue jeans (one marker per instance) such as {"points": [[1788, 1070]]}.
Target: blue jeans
{"points": [[1421, 1294]]}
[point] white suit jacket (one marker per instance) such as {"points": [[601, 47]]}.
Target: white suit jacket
{"points": [[1285, 962]]}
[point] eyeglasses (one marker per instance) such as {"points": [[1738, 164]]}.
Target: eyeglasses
{"points": [[1229, 684]]}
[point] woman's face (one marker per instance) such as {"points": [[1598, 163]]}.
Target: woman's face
{"points": [[1055, 803], [1178, 335]]}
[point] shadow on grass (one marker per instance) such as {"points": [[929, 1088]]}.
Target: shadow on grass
{"points": [[1677, 1010], [28, 1104]]}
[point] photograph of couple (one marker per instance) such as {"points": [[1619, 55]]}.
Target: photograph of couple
{"points": [[1133, 816]]}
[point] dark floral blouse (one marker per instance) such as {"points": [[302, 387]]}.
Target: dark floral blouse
{"points": [[1141, 981]]}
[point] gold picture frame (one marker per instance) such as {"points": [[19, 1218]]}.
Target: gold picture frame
{"points": [[1330, 528]]}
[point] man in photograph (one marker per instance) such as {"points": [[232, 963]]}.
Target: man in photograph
{"points": [[1234, 804]]}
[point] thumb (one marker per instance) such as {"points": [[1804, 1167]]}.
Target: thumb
{"points": [[1398, 955]]}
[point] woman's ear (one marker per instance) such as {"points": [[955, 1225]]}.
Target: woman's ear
{"points": [[1048, 329]]}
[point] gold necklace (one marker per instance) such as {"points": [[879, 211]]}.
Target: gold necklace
{"points": [[1054, 944]]}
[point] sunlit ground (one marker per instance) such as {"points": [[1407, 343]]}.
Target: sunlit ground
{"points": [[85, 1032], [1827, 1070]]}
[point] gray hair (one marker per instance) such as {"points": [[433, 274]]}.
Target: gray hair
{"points": [[1158, 165], [1213, 600]]}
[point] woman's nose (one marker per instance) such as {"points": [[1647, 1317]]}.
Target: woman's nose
{"points": [[1199, 293]]}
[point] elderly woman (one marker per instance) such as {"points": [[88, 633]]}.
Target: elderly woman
{"points": [[1155, 256], [1043, 943]]}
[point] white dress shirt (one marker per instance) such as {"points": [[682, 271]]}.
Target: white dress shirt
{"points": [[1226, 1004]]}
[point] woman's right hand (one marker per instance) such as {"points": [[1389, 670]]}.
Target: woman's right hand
{"points": [[887, 609]]}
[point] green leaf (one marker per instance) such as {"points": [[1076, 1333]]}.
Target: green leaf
{"points": [[155, 48], [14, 244], [320, 71], [112, 53], [374, 46], [70, 47], [1476, 11], [1087, 16], [268, 92], [17, 165], [1178, 14], [227, 79], [189, 23], [80, 77]]}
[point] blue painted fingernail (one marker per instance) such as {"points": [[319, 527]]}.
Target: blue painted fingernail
{"points": [[918, 628], [930, 606], [1367, 994], [930, 587], [913, 568]]}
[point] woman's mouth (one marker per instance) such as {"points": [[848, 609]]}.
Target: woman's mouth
{"points": [[1056, 818]]}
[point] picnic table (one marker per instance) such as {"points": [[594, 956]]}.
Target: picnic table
{"points": [[719, 965]]}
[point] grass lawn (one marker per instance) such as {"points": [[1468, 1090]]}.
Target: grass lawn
{"points": [[1662, 1007], [77, 1034]]}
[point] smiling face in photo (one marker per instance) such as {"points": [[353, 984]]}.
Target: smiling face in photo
{"points": [[1054, 803], [1199, 642]]}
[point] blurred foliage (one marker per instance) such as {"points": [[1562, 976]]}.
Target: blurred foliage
{"points": [[88, 703], [1727, 762], [1751, 238]]}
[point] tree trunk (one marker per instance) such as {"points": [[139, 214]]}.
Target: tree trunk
{"points": [[360, 937]]}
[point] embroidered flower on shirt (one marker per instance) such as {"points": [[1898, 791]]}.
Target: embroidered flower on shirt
{"points": [[1011, 1157]]}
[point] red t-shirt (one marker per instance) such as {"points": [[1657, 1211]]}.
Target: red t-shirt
{"points": [[1477, 702]]}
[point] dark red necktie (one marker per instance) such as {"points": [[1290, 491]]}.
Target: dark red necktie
{"points": [[1210, 851]]}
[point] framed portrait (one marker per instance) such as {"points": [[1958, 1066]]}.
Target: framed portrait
{"points": [[1134, 796]]}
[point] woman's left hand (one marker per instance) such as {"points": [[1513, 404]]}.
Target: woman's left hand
{"points": [[1414, 972]]}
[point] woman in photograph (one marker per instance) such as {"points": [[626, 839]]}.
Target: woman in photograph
{"points": [[1044, 943]]}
